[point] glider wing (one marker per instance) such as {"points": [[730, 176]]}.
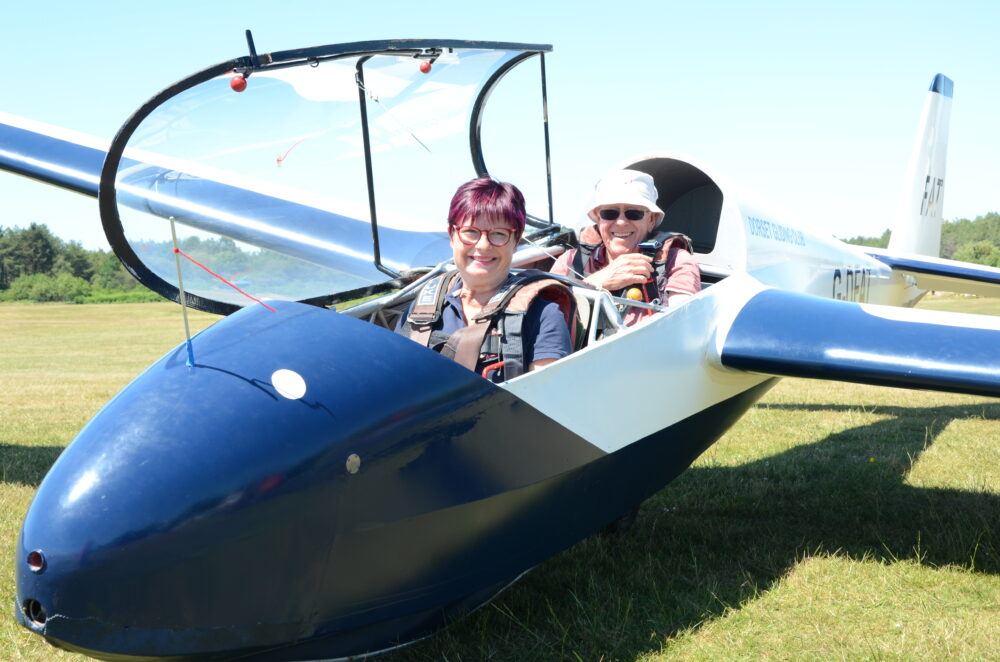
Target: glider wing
{"points": [[796, 335]]}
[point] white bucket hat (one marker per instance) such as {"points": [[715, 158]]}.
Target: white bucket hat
{"points": [[627, 187]]}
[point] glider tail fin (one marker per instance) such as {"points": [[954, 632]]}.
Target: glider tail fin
{"points": [[917, 227]]}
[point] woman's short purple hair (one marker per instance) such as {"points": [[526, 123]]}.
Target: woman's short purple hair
{"points": [[487, 198]]}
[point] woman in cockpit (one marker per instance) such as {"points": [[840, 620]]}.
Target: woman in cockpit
{"points": [[494, 322]]}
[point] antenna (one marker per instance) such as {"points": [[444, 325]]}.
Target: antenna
{"points": [[254, 60]]}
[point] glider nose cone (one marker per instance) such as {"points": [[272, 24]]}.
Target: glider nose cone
{"points": [[196, 511]]}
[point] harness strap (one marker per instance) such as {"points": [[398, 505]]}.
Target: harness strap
{"points": [[505, 292], [590, 239], [512, 345], [465, 344], [667, 254], [426, 306], [426, 309], [518, 291], [590, 235], [673, 244], [421, 334], [549, 289], [437, 340], [671, 239]]}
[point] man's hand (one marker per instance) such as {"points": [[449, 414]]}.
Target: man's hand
{"points": [[628, 269]]}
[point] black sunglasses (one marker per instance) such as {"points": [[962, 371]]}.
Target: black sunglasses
{"points": [[630, 214]]}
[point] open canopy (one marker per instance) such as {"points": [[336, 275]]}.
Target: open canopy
{"points": [[329, 175]]}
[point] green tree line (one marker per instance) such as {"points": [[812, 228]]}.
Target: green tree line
{"points": [[976, 241], [35, 265]]}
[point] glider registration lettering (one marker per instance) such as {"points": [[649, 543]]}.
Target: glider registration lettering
{"points": [[852, 284]]}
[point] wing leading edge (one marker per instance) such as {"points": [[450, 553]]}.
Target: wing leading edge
{"points": [[796, 335]]}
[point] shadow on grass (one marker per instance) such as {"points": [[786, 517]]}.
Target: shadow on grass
{"points": [[26, 465], [718, 537]]}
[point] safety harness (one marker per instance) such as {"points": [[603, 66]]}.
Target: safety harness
{"points": [[494, 335], [667, 245]]}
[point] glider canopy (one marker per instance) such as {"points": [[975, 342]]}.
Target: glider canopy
{"points": [[319, 174]]}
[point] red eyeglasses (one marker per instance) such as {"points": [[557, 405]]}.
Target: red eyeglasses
{"points": [[470, 236]]}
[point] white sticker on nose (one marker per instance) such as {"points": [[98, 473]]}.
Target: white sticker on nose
{"points": [[289, 384]]}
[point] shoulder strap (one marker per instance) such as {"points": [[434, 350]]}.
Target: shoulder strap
{"points": [[427, 305], [671, 240], [590, 239], [502, 298], [666, 257], [550, 290], [465, 344]]}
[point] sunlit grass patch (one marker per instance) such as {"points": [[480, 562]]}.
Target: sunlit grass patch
{"points": [[785, 418], [63, 362], [834, 608], [965, 456], [961, 303]]}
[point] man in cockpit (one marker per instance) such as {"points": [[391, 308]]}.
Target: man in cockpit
{"points": [[619, 253]]}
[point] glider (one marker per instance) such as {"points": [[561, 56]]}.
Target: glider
{"points": [[296, 482]]}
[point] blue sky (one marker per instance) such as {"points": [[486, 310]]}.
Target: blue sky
{"points": [[811, 105]]}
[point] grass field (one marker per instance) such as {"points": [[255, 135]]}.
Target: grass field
{"points": [[834, 522]]}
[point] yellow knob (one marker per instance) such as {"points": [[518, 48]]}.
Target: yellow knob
{"points": [[634, 294]]}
